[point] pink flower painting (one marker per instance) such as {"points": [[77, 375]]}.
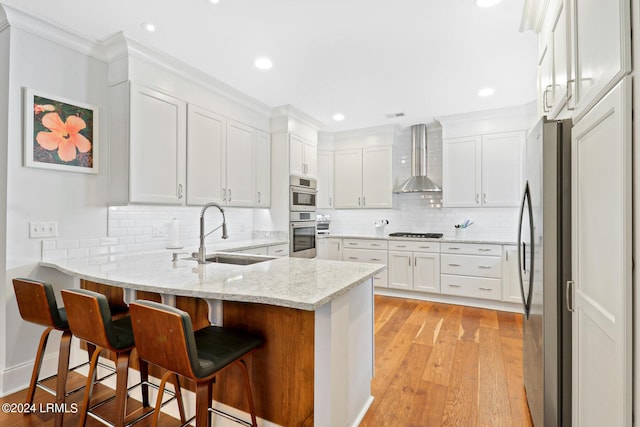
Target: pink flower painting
{"points": [[62, 134]]}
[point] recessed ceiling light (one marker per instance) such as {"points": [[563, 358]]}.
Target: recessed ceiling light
{"points": [[148, 27], [487, 91], [214, 1], [338, 117], [263, 63], [487, 3]]}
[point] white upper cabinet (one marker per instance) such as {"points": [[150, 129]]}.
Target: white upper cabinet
{"points": [[602, 49], [263, 169], [241, 165], [148, 146], [461, 171], [324, 198], [483, 170], [363, 178], [347, 172], [302, 156], [206, 157]]}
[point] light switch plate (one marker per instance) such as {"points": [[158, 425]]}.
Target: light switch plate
{"points": [[41, 229]]}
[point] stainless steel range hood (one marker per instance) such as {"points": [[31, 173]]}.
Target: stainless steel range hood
{"points": [[418, 182]]}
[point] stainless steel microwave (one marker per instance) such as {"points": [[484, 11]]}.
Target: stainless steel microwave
{"points": [[302, 194]]}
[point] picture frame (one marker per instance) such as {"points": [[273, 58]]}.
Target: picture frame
{"points": [[60, 134]]}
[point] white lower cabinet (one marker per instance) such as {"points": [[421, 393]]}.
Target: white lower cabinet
{"points": [[465, 273], [330, 248], [278, 250], [368, 250], [414, 266], [510, 278]]}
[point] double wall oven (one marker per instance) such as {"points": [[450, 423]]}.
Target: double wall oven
{"points": [[302, 217]]}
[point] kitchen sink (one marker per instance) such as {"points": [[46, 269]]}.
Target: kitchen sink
{"points": [[230, 258]]}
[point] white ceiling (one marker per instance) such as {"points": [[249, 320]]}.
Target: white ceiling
{"points": [[363, 58]]}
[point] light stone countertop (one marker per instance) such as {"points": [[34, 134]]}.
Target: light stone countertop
{"points": [[305, 284]]}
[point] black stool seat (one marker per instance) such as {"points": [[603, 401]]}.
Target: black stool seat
{"points": [[218, 347]]}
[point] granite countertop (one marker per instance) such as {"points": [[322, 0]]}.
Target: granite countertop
{"points": [[479, 240], [305, 284]]}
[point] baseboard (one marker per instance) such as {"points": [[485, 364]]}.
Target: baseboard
{"points": [[17, 377], [451, 299], [363, 412]]}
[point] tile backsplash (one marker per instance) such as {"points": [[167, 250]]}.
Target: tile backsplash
{"points": [[139, 228]]}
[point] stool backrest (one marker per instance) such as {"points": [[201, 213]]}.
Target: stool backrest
{"points": [[89, 317], [37, 303], [164, 336]]}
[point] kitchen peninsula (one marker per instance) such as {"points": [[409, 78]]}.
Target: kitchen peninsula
{"points": [[316, 316]]}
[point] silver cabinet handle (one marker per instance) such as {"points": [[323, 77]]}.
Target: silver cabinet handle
{"points": [[506, 255], [179, 191], [484, 267], [224, 194], [485, 289], [279, 250], [477, 198], [454, 265], [229, 194], [353, 243], [330, 201], [569, 295], [259, 197], [545, 98], [364, 201], [358, 201], [353, 257], [484, 250], [453, 248], [455, 286], [484, 197], [401, 246], [375, 244], [376, 259]]}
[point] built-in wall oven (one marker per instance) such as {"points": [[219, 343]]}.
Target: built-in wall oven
{"points": [[302, 194], [302, 217], [302, 235]]}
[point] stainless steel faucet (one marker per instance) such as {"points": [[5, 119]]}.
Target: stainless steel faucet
{"points": [[202, 252]]}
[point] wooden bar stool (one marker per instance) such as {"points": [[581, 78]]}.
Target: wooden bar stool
{"points": [[90, 319], [37, 304], [165, 337]]}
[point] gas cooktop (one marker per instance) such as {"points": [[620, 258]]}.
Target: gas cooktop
{"points": [[418, 235]]}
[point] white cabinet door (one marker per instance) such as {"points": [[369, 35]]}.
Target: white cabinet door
{"points": [[502, 166], [602, 44], [347, 185], [263, 169], [240, 165], [334, 249], [310, 160], [377, 178], [559, 38], [157, 147], [324, 198], [426, 272], [296, 155], [545, 79], [400, 270], [602, 257], [461, 172], [206, 159], [510, 278]]}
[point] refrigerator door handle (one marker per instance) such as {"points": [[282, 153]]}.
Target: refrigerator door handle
{"points": [[521, 251], [569, 296], [526, 299]]}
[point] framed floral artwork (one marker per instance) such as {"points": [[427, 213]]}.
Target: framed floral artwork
{"points": [[60, 134]]}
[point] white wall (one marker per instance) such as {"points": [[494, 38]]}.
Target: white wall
{"points": [[76, 201], [4, 120]]}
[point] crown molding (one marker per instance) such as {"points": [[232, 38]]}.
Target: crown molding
{"points": [[30, 23], [289, 111], [533, 15]]}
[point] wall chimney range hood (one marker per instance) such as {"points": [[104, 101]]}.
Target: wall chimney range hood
{"points": [[418, 182]]}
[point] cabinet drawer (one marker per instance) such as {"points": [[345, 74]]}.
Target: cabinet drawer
{"points": [[381, 280], [471, 249], [364, 255], [278, 250], [413, 246], [365, 244], [470, 265], [474, 287]]}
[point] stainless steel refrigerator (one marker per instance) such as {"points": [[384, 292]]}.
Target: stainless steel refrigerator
{"points": [[544, 259]]}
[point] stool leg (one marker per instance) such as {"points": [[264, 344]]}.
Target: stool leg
{"points": [[37, 363], [176, 385], [203, 400], [63, 372], [252, 408], [158, 407], [89, 386], [144, 378], [122, 372]]}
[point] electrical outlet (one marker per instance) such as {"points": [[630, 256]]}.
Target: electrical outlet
{"points": [[158, 231], [40, 229]]}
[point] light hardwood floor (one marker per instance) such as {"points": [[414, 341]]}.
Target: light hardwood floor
{"points": [[436, 365], [446, 365]]}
